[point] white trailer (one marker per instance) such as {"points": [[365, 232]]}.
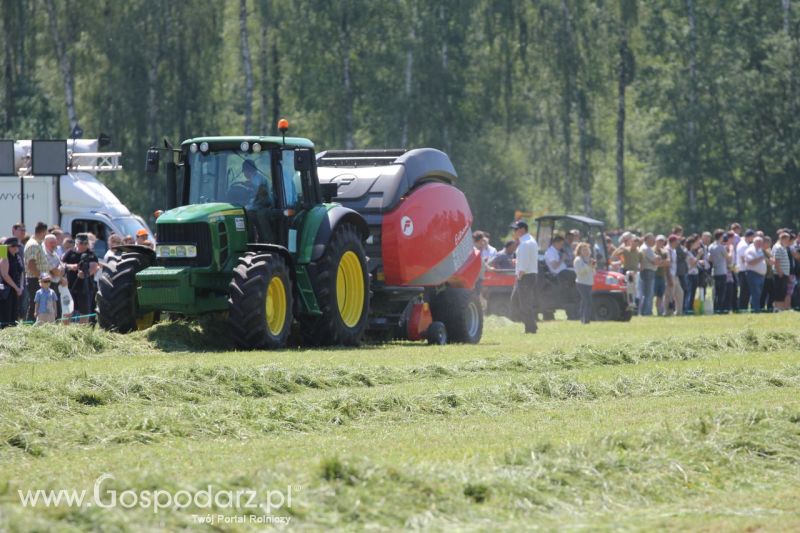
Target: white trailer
{"points": [[77, 201]]}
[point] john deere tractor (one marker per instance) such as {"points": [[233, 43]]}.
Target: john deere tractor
{"points": [[251, 234]]}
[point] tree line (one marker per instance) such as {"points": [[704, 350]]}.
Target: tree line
{"points": [[641, 113]]}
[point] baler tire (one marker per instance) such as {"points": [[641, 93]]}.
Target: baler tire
{"points": [[260, 302], [117, 309], [460, 312], [331, 328]]}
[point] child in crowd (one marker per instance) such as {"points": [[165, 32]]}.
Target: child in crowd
{"points": [[45, 301]]}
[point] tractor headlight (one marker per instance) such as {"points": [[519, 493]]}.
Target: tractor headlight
{"points": [[256, 147], [176, 250], [193, 148], [204, 147], [245, 146]]}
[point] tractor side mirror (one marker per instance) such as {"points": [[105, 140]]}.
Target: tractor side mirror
{"points": [[302, 159], [153, 158], [329, 191]]}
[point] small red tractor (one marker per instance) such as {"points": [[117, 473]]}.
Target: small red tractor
{"points": [[613, 294], [422, 265]]}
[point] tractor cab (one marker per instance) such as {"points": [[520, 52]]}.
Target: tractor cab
{"points": [[270, 179], [575, 229]]}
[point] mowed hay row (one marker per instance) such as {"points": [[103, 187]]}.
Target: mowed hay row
{"points": [[211, 404], [672, 467]]}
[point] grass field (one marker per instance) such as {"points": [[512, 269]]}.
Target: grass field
{"points": [[679, 423]]}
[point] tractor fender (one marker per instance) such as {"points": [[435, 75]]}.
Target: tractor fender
{"points": [[336, 215], [146, 250], [275, 249]]}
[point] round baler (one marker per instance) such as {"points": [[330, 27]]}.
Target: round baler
{"points": [[422, 264]]}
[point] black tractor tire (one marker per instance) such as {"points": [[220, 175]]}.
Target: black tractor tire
{"points": [[260, 302], [332, 327], [436, 334], [117, 308], [460, 312], [605, 308]]}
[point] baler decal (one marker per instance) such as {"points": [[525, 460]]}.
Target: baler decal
{"points": [[447, 266]]}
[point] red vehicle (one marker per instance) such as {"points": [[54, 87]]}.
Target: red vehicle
{"points": [[422, 264], [613, 294]]}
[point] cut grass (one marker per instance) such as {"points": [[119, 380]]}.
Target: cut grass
{"points": [[675, 423]]}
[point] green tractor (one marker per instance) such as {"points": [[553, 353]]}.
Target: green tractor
{"points": [[250, 235]]}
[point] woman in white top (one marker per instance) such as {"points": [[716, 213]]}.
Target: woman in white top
{"points": [[584, 279]]}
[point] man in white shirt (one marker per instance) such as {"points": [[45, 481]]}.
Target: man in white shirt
{"points": [[741, 269], [523, 296], [756, 270]]}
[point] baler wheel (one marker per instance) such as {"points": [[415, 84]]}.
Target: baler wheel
{"points": [[260, 302], [341, 285], [117, 309], [461, 313]]}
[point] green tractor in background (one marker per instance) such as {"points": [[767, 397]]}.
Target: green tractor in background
{"points": [[250, 233]]}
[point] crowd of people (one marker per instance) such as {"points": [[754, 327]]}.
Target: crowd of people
{"points": [[51, 276], [745, 270]]}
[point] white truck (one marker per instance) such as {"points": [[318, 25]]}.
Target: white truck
{"points": [[77, 201]]}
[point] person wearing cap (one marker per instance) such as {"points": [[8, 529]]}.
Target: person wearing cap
{"points": [[141, 236], [45, 302], [523, 295], [81, 264], [259, 184], [629, 252], [11, 272], [741, 269], [35, 265]]}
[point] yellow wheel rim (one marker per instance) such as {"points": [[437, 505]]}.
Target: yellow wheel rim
{"points": [[276, 305], [350, 289], [145, 321]]}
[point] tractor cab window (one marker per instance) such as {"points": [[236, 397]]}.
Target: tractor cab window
{"points": [[292, 180], [231, 176]]}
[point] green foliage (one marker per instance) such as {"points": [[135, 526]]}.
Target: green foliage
{"points": [[523, 96]]}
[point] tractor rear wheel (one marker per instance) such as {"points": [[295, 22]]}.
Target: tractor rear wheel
{"points": [[341, 286], [117, 308], [260, 302], [460, 312]]}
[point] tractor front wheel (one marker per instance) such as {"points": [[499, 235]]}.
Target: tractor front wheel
{"points": [[260, 302], [117, 308], [341, 285]]}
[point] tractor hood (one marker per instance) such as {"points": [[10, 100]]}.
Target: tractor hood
{"points": [[198, 212]]}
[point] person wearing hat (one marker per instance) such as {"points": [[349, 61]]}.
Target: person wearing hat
{"points": [[523, 295], [81, 264], [45, 302], [141, 236], [11, 271]]}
